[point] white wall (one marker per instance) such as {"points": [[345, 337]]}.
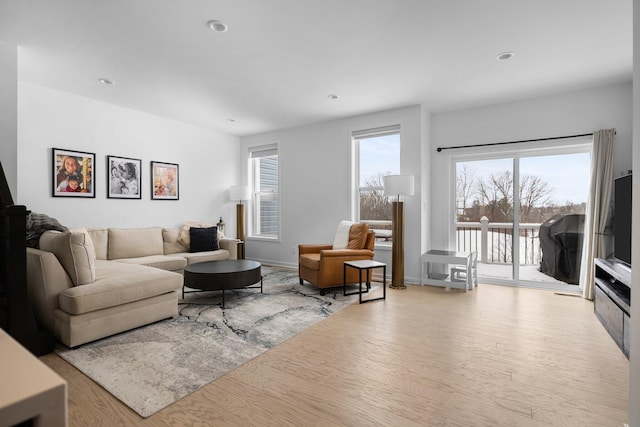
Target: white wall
{"points": [[315, 184], [634, 359], [559, 115], [9, 114], [208, 161]]}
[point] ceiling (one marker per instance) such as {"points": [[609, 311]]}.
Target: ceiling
{"points": [[280, 59]]}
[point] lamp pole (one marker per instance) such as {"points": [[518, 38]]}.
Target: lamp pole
{"points": [[240, 193], [397, 245], [400, 185]]}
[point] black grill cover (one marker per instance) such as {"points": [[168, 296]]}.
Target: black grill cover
{"points": [[561, 244]]}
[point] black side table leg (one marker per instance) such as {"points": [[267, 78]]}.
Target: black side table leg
{"points": [[359, 286], [344, 280], [384, 282]]}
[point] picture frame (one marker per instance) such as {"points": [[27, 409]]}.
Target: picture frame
{"points": [[73, 173], [124, 178], [164, 181]]}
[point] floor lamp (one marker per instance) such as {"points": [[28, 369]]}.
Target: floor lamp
{"points": [[240, 193], [400, 185]]}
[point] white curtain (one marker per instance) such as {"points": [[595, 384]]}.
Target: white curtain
{"points": [[598, 206]]}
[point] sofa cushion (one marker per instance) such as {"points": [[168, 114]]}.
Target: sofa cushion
{"points": [[194, 258], [100, 239], [358, 236], [118, 283], [184, 237], [135, 242], [203, 239], [75, 252], [170, 241], [165, 262]]}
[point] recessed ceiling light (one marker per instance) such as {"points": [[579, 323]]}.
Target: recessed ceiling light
{"points": [[106, 81], [231, 120], [333, 96], [505, 56], [217, 26]]}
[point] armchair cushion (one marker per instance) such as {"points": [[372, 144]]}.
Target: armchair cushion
{"points": [[311, 261], [341, 239], [357, 236], [350, 235]]}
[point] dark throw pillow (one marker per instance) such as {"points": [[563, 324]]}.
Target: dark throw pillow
{"points": [[203, 239]]}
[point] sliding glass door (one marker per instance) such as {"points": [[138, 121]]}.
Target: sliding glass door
{"points": [[553, 200], [524, 215], [484, 214]]}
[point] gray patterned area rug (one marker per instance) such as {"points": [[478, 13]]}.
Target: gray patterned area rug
{"points": [[153, 366]]}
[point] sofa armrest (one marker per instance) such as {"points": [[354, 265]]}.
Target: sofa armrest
{"points": [[312, 248], [46, 279], [230, 245]]}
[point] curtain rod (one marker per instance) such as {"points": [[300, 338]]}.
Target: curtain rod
{"points": [[439, 149]]}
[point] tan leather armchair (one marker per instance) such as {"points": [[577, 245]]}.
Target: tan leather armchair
{"points": [[323, 266]]}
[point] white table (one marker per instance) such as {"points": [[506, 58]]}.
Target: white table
{"points": [[436, 256], [29, 389]]}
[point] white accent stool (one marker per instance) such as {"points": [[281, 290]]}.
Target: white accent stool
{"points": [[467, 273], [463, 274]]}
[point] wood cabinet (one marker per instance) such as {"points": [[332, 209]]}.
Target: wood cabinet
{"points": [[612, 300]]}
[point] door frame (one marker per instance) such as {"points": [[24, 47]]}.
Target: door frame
{"points": [[581, 145]]}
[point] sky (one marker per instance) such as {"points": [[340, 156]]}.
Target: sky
{"points": [[566, 174], [379, 155]]}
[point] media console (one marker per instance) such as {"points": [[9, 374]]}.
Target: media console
{"points": [[612, 299]]}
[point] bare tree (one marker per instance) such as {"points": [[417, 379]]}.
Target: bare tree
{"points": [[534, 194], [464, 190], [374, 205], [493, 196], [496, 195]]}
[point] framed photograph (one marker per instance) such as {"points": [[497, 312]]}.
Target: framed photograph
{"points": [[123, 179], [164, 181], [73, 173]]}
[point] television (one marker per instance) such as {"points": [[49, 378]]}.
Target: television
{"points": [[622, 219]]}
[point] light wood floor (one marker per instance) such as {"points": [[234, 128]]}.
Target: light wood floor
{"points": [[496, 356]]}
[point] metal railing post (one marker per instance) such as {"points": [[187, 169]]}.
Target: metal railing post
{"points": [[484, 241]]}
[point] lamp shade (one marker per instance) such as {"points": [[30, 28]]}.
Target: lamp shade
{"points": [[240, 192], [401, 185]]}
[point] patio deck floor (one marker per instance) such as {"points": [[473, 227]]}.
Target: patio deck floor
{"points": [[528, 273]]}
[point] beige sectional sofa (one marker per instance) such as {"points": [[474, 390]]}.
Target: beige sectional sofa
{"points": [[91, 283]]}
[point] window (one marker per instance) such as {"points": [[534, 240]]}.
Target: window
{"points": [[265, 184], [377, 154]]}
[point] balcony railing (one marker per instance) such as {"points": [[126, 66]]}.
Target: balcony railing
{"points": [[494, 241], [382, 228]]}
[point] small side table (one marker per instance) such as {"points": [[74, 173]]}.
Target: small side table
{"points": [[365, 265]]}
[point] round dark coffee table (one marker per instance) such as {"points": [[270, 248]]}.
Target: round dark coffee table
{"points": [[221, 275]]}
